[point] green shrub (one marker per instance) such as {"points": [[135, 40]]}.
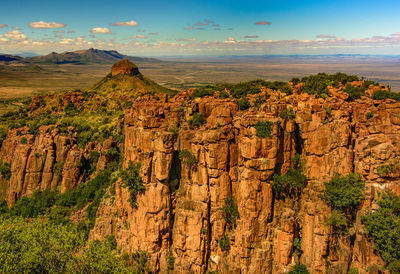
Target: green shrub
{"points": [[230, 210], [337, 220], [299, 269], [296, 246], [58, 169], [223, 94], [23, 140], [263, 129], [318, 84], [196, 120], [111, 241], [259, 101], [59, 215], [385, 170], [174, 131], [34, 206], [291, 183], [353, 270], [5, 170], [225, 243], [354, 92], [383, 94], [344, 192], [202, 92], [369, 115], [243, 103], [383, 226], [170, 260], [287, 113], [187, 157], [133, 181]]}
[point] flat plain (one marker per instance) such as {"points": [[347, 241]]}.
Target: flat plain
{"points": [[20, 81]]}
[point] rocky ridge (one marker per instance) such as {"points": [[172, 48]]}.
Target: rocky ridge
{"points": [[180, 211]]}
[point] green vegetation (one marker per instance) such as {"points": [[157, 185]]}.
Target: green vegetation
{"points": [[299, 269], [383, 226], [5, 170], [383, 94], [23, 140], [385, 170], [291, 183], [225, 243], [354, 92], [223, 94], [243, 103], [259, 101], [369, 115], [297, 246], [133, 181], [287, 114], [318, 84], [202, 92], [196, 120], [187, 157], [263, 129], [58, 168], [230, 210], [343, 194], [170, 260], [45, 247]]}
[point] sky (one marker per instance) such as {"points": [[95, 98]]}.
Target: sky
{"points": [[201, 27]]}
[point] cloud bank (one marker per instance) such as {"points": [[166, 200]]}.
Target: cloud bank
{"points": [[46, 25]]}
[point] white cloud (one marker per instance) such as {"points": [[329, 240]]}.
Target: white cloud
{"points": [[230, 40], [128, 24], [46, 25], [15, 35], [139, 36], [3, 26], [324, 36], [101, 30]]}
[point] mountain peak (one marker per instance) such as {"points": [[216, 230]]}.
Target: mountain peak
{"points": [[124, 67]]}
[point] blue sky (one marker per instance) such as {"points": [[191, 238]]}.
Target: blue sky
{"points": [[218, 27]]}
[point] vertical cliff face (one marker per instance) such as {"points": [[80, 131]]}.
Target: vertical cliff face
{"points": [[181, 208], [47, 160]]}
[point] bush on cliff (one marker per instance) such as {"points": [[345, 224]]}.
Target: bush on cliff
{"points": [[187, 157], [5, 170], [231, 211], [263, 129], [383, 226], [343, 194], [243, 103], [383, 94], [291, 183], [196, 120], [299, 269], [133, 181]]}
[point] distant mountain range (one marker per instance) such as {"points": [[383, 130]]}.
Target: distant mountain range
{"points": [[80, 57]]}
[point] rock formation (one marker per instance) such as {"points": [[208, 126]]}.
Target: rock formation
{"points": [[181, 208], [124, 67]]}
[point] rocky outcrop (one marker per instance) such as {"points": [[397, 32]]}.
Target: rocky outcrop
{"points": [[124, 67], [44, 161], [181, 209]]}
